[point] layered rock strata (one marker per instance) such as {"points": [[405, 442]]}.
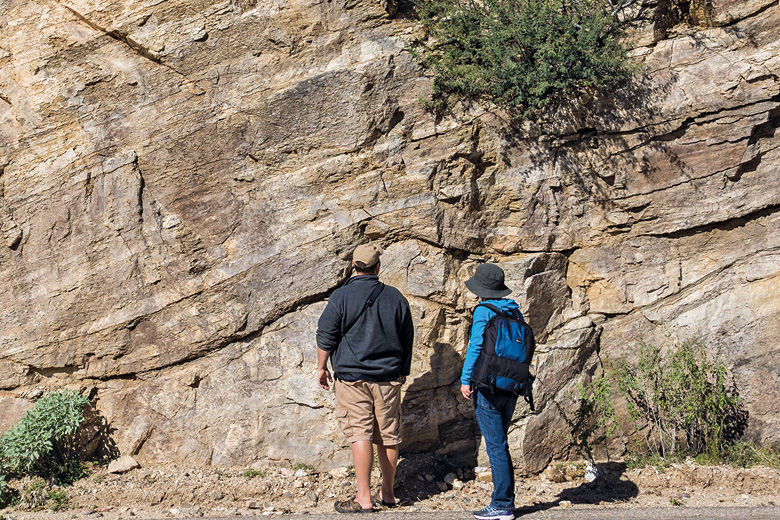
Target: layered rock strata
{"points": [[182, 183]]}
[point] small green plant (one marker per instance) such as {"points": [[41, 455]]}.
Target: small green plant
{"points": [[525, 54], [43, 443], [680, 400], [593, 421], [33, 493], [58, 499], [4, 495], [252, 473], [99, 479], [301, 466], [744, 455], [89, 466]]}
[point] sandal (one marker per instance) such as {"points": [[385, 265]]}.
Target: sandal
{"points": [[378, 500], [351, 506]]}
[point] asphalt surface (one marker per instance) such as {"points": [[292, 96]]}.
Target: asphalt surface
{"points": [[604, 513]]}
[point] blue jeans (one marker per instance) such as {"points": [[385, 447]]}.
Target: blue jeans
{"points": [[494, 414]]}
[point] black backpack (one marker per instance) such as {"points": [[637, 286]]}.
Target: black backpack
{"points": [[503, 365]]}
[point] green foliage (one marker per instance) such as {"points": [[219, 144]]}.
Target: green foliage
{"points": [[42, 443], [58, 499], [522, 54], [593, 421], [33, 494], [744, 455], [252, 473], [4, 494], [645, 460], [680, 400]]}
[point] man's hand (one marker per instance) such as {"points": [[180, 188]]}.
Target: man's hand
{"points": [[466, 391], [324, 378], [323, 374]]}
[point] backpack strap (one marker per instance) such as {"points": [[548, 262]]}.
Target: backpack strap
{"points": [[374, 294], [497, 312], [495, 309], [528, 394], [491, 307], [369, 302]]}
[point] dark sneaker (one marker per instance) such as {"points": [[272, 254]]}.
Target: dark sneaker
{"points": [[491, 513]]}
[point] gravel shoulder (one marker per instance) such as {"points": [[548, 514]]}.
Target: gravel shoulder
{"points": [[425, 485]]}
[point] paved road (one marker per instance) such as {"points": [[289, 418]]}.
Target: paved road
{"points": [[602, 513]]}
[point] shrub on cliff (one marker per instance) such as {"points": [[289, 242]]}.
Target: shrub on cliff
{"points": [[43, 443], [681, 400], [522, 54], [680, 403]]}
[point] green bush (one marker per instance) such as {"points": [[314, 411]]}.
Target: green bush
{"points": [[521, 54], [42, 443], [681, 400]]}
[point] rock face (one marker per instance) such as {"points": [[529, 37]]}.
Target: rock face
{"points": [[182, 184]]}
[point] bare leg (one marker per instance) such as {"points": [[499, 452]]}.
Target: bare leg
{"points": [[363, 455], [388, 460]]}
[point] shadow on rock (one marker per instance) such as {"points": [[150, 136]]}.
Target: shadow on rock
{"points": [[439, 430], [95, 437], [421, 476], [436, 418], [608, 488]]}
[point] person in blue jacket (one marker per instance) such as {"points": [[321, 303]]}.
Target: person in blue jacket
{"points": [[493, 410]]}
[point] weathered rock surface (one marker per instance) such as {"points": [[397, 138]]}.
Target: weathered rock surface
{"points": [[123, 464], [182, 183]]}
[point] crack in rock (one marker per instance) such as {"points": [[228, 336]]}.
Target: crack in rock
{"points": [[129, 42]]}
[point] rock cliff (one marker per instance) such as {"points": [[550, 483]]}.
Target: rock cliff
{"points": [[182, 184]]}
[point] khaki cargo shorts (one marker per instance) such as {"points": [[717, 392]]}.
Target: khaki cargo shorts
{"points": [[369, 411]]}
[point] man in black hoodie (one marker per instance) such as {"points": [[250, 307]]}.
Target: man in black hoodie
{"points": [[367, 333]]}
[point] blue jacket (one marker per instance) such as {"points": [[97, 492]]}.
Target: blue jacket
{"points": [[481, 316]]}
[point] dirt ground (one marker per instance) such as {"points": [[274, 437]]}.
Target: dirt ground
{"points": [[423, 484]]}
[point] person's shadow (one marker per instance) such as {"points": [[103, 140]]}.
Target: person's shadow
{"points": [[436, 418], [608, 487], [439, 430]]}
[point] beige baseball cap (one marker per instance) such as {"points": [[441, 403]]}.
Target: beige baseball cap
{"points": [[366, 255]]}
